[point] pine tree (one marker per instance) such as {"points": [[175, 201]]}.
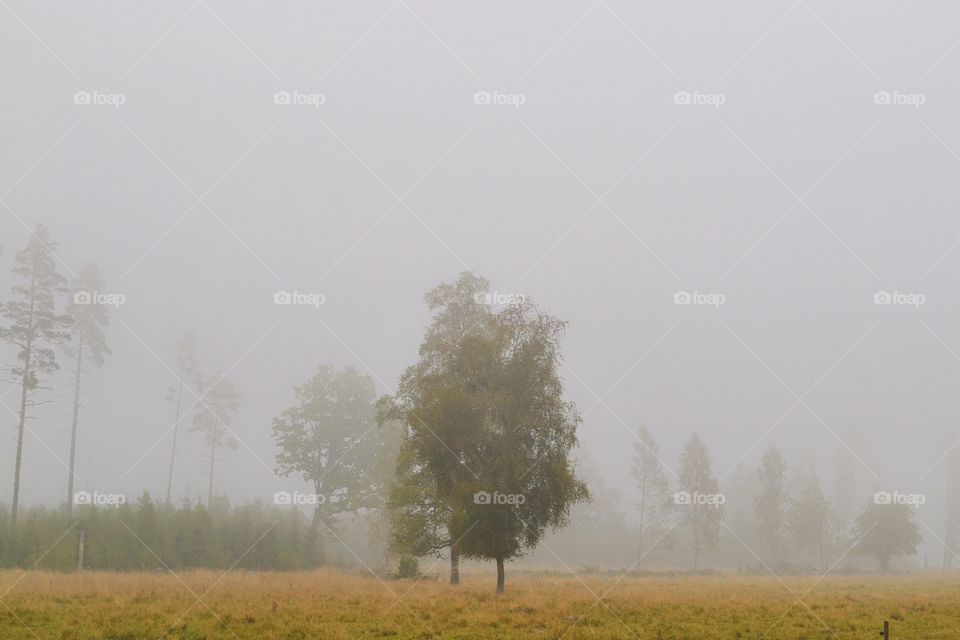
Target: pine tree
{"points": [[215, 410], [187, 369], [88, 345], [771, 503], [34, 326]]}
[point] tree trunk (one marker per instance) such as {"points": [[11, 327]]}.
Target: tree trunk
{"points": [[454, 565], [76, 422], [176, 427], [24, 384], [213, 460], [21, 424], [696, 546], [643, 499], [500, 576]]}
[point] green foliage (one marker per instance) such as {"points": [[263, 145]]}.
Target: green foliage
{"points": [[886, 531], [409, 567], [330, 438], [436, 424], [147, 536]]}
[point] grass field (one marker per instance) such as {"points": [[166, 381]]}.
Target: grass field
{"points": [[327, 604]]}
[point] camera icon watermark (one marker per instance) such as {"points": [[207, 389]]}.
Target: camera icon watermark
{"points": [[895, 497], [497, 498], [715, 300], [699, 98], [115, 300], [299, 98], [499, 98], [686, 498], [298, 498], [898, 98], [899, 298], [98, 499], [299, 298], [99, 98], [499, 298]]}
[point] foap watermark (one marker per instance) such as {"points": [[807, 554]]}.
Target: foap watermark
{"points": [[298, 498], [701, 98], [114, 300], [499, 98], [699, 298], [500, 298], [99, 98], [686, 498], [895, 497], [899, 98], [299, 298], [299, 99], [485, 497], [899, 298], [98, 499]]}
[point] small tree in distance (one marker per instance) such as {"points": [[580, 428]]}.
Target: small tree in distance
{"points": [[810, 517], [215, 410], [655, 500], [771, 503], [886, 531], [700, 502], [188, 368], [329, 437]]}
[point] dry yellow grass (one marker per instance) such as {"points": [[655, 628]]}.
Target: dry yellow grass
{"points": [[327, 604]]}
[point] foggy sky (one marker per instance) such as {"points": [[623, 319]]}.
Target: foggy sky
{"points": [[797, 199]]}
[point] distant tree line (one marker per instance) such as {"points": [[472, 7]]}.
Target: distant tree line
{"points": [[148, 536], [472, 456]]}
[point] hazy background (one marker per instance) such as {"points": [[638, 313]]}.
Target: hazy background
{"points": [[298, 198]]}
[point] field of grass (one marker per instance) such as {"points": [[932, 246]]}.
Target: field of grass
{"points": [[326, 604]]}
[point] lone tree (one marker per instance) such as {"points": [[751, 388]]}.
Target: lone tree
{"points": [[524, 480], [655, 500], [809, 518], [188, 368], [329, 436], [33, 325], [88, 346], [699, 499], [771, 503], [215, 410], [425, 516], [886, 531]]}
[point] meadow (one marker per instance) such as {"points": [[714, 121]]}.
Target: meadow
{"points": [[328, 604]]}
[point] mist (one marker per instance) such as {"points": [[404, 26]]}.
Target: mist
{"points": [[746, 215]]}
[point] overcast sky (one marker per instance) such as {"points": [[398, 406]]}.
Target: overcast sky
{"points": [[599, 157]]}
